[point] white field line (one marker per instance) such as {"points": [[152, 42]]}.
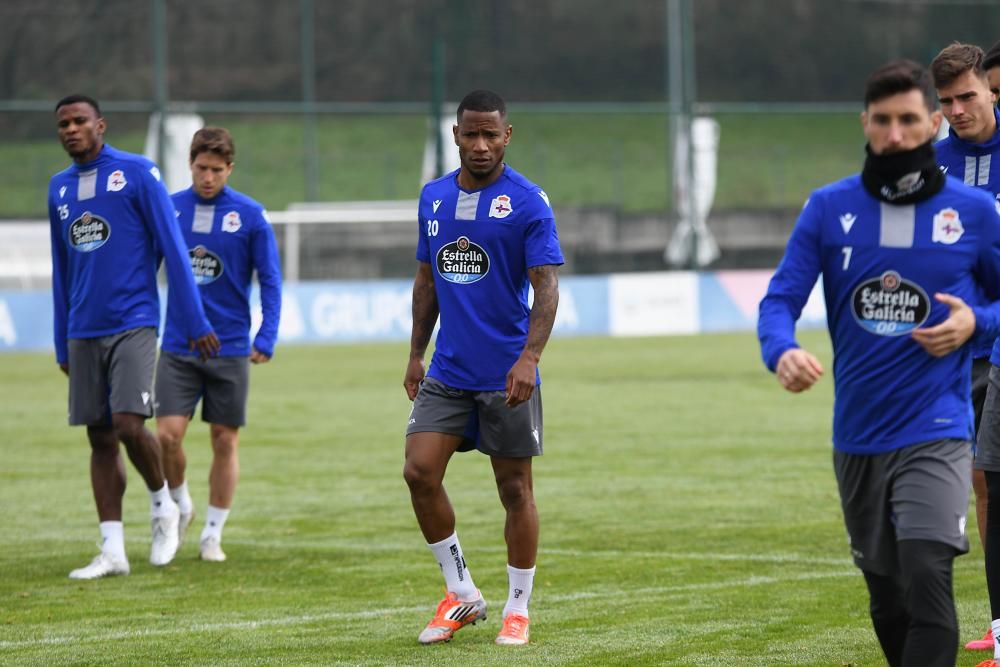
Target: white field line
{"points": [[88, 636]]}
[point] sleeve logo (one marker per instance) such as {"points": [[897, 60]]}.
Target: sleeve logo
{"points": [[116, 181]]}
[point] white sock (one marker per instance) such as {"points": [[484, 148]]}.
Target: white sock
{"points": [[113, 539], [521, 582], [160, 501], [996, 637], [457, 578], [182, 497], [214, 521]]}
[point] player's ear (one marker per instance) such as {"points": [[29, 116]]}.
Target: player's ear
{"points": [[507, 133], [935, 122], [454, 133]]}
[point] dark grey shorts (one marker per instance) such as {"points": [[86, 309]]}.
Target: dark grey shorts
{"points": [[915, 493], [110, 375], [988, 436], [482, 417], [221, 383]]}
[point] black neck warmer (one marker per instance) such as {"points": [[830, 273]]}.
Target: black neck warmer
{"points": [[902, 178]]}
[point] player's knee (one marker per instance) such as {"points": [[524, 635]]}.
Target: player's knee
{"points": [[170, 442], [927, 570], [224, 442], [515, 492], [128, 428], [420, 478]]}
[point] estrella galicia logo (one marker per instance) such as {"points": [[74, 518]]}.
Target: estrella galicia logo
{"points": [[205, 264], [462, 261], [89, 232], [889, 305]]}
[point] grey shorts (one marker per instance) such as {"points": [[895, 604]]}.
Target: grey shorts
{"points": [[221, 383], [110, 375], [482, 417], [988, 436], [915, 493]]}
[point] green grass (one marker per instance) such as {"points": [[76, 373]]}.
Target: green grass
{"points": [[689, 517], [606, 160]]}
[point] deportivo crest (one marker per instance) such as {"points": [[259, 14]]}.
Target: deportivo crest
{"points": [[462, 261], [88, 232], [947, 227], [501, 208], [231, 222], [205, 265], [890, 305], [116, 181]]}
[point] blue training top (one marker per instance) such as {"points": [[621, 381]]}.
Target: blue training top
{"points": [[977, 165], [111, 221], [881, 266], [227, 238], [480, 245]]}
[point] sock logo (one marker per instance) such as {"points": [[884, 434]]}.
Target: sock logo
{"points": [[459, 562], [517, 593]]}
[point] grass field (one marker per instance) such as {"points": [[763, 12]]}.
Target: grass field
{"points": [[610, 160], [689, 517]]}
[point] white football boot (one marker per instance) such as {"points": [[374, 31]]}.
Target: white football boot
{"points": [[103, 565]]}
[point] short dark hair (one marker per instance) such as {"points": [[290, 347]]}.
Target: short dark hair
{"points": [[955, 60], [482, 100], [76, 98], [900, 76], [992, 58], [215, 140]]}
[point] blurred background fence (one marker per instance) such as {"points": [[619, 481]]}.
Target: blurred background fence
{"points": [[334, 100]]}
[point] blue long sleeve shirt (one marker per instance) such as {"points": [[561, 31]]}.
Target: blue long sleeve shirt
{"points": [[978, 166], [881, 267], [227, 238], [111, 220]]}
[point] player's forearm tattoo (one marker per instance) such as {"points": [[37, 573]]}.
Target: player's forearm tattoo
{"points": [[545, 281], [425, 312]]}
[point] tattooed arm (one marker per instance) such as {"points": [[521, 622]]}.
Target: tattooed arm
{"points": [[522, 375], [425, 314]]}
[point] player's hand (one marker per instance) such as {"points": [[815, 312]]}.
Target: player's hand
{"points": [[207, 345], [414, 376], [948, 336], [798, 370], [521, 380], [258, 357], [64, 368]]}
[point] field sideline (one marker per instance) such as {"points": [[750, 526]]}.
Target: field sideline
{"points": [[689, 517]]}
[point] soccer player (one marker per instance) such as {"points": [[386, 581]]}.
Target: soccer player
{"points": [[485, 233], [228, 237], [110, 219], [971, 152], [903, 251]]}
